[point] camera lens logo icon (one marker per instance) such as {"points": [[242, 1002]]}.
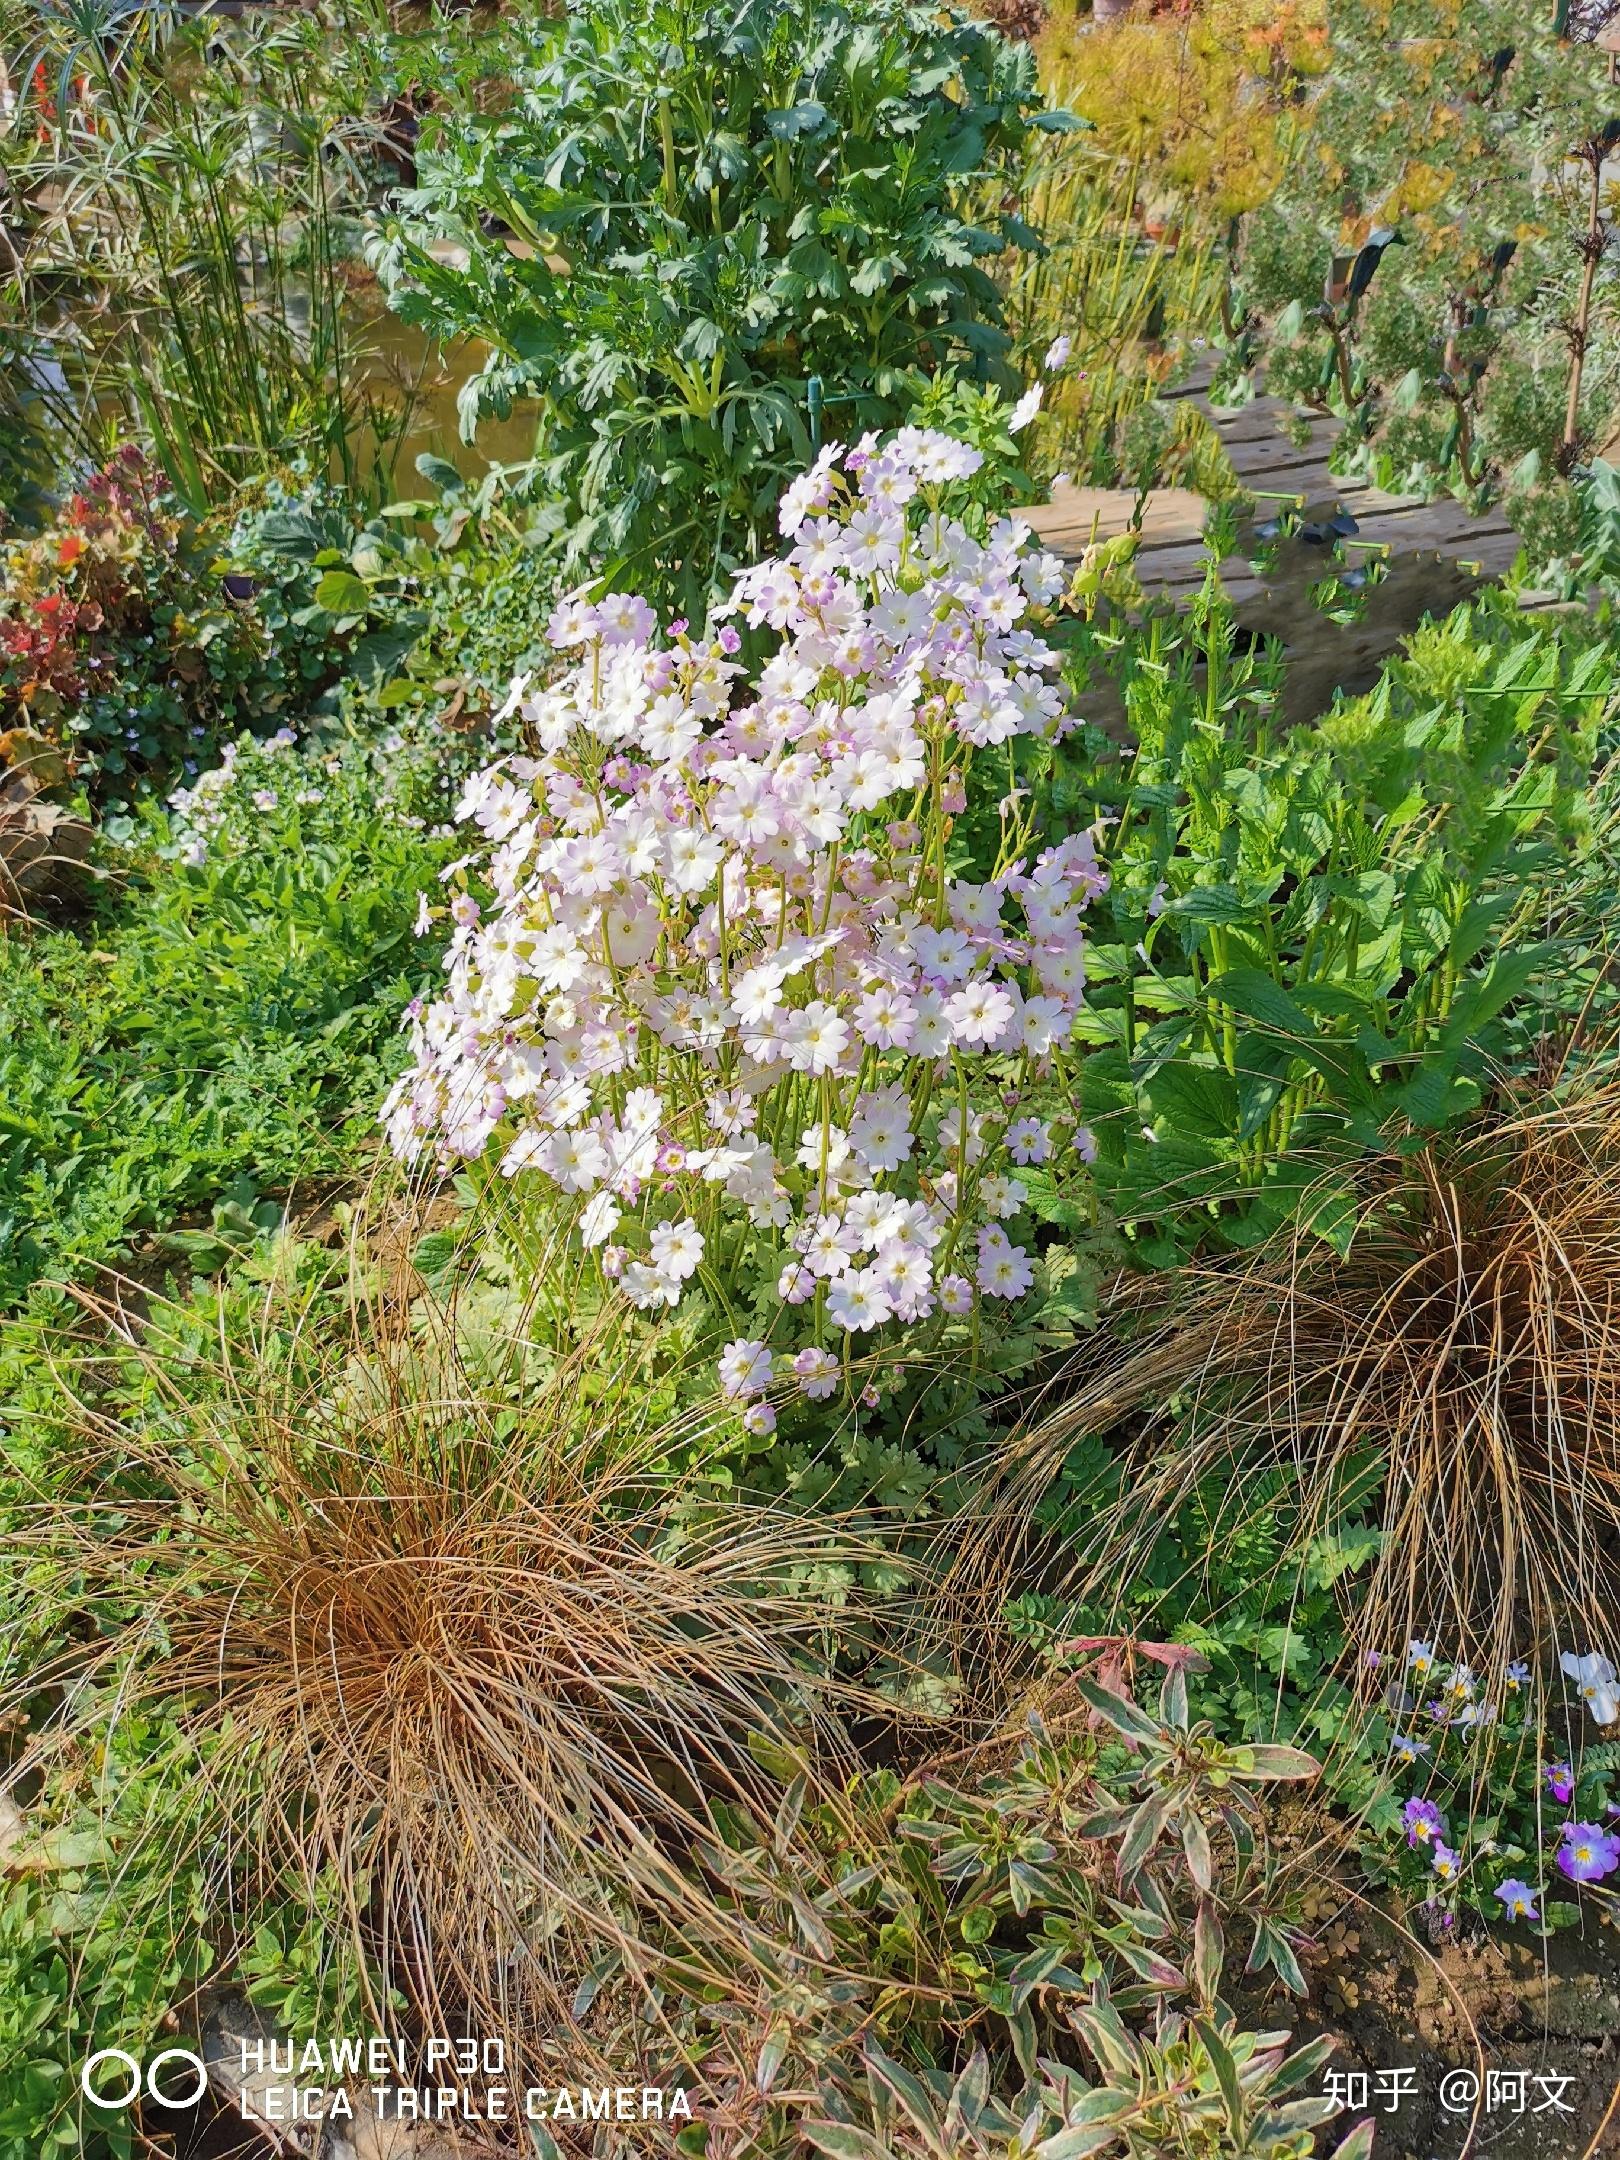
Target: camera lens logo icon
{"points": [[110, 2069]]}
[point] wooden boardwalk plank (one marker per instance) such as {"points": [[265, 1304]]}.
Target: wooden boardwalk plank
{"points": [[1278, 464], [1076, 515], [1268, 462], [1195, 382], [1269, 417]]}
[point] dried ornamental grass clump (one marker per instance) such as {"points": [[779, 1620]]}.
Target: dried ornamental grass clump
{"points": [[733, 1010], [475, 1677], [1457, 1372]]}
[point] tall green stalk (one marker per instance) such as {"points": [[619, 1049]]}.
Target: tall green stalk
{"points": [[188, 192], [1115, 293]]}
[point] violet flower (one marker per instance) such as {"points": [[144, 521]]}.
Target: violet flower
{"points": [[1588, 1852], [1518, 1899], [1423, 1821]]}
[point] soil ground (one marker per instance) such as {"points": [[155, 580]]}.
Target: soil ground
{"points": [[1455, 2013]]}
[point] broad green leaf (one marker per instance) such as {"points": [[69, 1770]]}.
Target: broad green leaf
{"points": [[842, 2141], [1124, 1716], [340, 592]]}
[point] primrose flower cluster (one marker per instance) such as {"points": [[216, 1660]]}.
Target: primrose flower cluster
{"points": [[1491, 1797], [237, 806], [734, 1003], [200, 810]]}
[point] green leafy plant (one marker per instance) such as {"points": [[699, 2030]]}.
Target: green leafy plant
{"points": [[431, 604], [1187, 2087], [120, 647], [225, 1032], [94, 1951], [1242, 1575], [730, 229], [1313, 932], [109, 1926], [1028, 1955]]}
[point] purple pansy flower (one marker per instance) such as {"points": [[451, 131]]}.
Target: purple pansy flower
{"points": [[1588, 1852], [1560, 1782], [1518, 1899], [1424, 1822]]}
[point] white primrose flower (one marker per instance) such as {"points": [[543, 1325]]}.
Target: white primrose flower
{"points": [[729, 877]]}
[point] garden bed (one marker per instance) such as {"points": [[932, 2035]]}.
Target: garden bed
{"points": [[807, 1246]]}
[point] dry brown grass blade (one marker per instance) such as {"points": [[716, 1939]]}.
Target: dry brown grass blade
{"points": [[473, 1655], [1465, 1356]]}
